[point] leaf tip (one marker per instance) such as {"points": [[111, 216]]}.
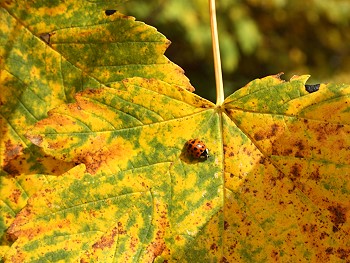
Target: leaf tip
{"points": [[302, 78]]}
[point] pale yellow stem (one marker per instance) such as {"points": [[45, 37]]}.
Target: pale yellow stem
{"points": [[216, 52]]}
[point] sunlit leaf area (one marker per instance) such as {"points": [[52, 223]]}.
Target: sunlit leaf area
{"points": [[108, 153]]}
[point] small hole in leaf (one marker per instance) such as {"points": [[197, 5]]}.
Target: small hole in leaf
{"points": [[110, 12], [312, 88]]}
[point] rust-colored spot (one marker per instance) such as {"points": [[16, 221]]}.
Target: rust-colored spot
{"points": [[208, 206], [106, 241], [310, 228], [300, 147], [295, 171], [226, 225], [258, 136], [214, 247], [121, 229], [263, 160], [315, 175], [343, 253], [15, 196], [273, 131], [287, 152], [338, 216], [274, 254], [12, 152], [324, 235], [329, 250], [157, 248], [11, 169]]}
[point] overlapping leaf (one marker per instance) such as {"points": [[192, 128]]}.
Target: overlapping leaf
{"points": [[51, 55], [51, 50], [275, 187], [136, 146]]}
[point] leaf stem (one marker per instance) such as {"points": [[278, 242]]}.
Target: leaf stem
{"points": [[216, 52]]}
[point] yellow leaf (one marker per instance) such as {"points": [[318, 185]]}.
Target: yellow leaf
{"points": [[275, 186], [52, 50]]}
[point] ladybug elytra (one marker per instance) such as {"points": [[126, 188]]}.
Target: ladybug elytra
{"points": [[197, 149]]}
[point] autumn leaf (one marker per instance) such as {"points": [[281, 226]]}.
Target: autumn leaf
{"points": [[274, 188], [14, 194], [41, 44], [49, 54]]}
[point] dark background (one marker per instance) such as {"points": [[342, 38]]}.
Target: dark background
{"points": [[257, 38]]}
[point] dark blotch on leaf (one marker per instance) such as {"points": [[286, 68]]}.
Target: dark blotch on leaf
{"points": [[329, 250], [312, 88], [226, 225], [46, 38], [258, 136], [338, 216], [110, 12]]}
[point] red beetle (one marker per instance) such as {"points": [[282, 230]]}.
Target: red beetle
{"points": [[197, 149]]}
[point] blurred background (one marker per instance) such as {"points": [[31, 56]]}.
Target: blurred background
{"points": [[257, 38]]}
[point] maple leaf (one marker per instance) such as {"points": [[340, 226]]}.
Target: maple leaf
{"points": [[275, 186]]}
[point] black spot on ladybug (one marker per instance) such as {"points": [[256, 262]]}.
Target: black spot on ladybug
{"points": [[312, 88], [110, 12]]}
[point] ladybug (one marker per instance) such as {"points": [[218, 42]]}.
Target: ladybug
{"points": [[197, 149]]}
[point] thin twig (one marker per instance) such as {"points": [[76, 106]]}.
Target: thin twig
{"points": [[216, 52]]}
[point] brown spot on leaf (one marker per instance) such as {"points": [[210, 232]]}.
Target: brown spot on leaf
{"points": [[315, 175], [228, 151], [295, 171], [343, 253], [226, 225], [273, 131], [12, 152], [287, 152], [14, 197], [158, 245], [214, 247], [338, 216], [324, 235], [157, 248], [274, 255], [258, 136], [310, 228], [121, 229], [329, 250], [208, 206], [106, 241], [300, 146], [224, 260]]}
